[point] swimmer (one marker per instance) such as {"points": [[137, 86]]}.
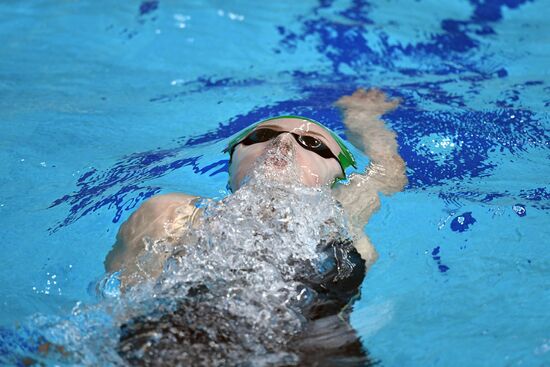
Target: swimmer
{"points": [[321, 159], [273, 164]]}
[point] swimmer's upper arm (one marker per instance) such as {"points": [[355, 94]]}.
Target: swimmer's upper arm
{"points": [[155, 219]]}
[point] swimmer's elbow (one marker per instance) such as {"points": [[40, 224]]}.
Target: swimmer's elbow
{"points": [[367, 251]]}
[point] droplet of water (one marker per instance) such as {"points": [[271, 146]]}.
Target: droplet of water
{"points": [[520, 210]]}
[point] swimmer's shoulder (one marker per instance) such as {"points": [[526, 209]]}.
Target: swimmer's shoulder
{"points": [[168, 200], [159, 204], [151, 217], [162, 217]]}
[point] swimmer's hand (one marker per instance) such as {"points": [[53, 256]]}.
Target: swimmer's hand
{"points": [[364, 129], [374, 102]]}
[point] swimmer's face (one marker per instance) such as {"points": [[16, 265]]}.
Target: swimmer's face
{"points": [[287, 143]]}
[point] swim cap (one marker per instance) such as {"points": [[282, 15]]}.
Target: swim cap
{"points": [[344, 156]]}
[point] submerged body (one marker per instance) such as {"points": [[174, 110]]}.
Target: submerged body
{"points": [[267, 247]]}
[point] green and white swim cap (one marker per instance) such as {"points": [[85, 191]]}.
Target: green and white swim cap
{"points": [[334, 142]]}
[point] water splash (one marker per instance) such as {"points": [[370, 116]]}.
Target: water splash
{"points": [[234, 289], [242, 284]]}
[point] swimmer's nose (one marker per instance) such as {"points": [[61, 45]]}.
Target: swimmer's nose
{"points": [[285, 144]]}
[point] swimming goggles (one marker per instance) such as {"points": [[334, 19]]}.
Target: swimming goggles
{"points": [[256, 134], [310, 143]]}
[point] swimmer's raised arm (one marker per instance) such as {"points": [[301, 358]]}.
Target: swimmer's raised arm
{"points": [[386, 171], [144, 241]]}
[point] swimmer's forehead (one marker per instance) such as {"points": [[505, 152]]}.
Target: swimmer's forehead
{"points": [[302, 127]]}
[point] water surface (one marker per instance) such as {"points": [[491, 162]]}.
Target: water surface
{"points": [[105, 105]]}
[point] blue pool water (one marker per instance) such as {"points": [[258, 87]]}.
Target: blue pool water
{"points": [[103, 105]]}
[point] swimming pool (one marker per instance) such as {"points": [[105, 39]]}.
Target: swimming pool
{"points": [[105, 105]]}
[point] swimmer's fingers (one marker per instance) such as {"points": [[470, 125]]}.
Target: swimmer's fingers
{"points": [[373, 102]]}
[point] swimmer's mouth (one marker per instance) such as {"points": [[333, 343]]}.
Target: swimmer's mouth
{"points": [[277, 162]]}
